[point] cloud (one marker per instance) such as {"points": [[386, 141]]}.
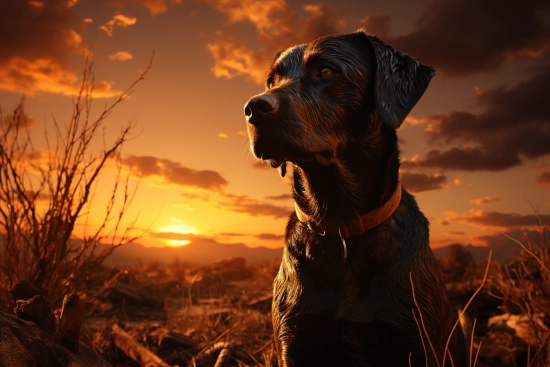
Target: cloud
{"points": [[418, 182], [252, 207], [155, 7], [377, 25], [280, 197], [454, 233], [484, 200], [119, 20], [18, 117], [462, 37], [42, 36], [121, 56], [222, 135], [543, 179], [497, 239], [174, 173], [176, 236], [278, 26], [496, 219], [231, 234], [514, 124], [270, 236]]}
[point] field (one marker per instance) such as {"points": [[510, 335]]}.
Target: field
{"points": [[219, 314]]}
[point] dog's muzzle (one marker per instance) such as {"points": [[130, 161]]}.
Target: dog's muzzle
{"points": [[259, 107]]}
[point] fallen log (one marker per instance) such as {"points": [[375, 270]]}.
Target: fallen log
{"points": [[133, 349]]}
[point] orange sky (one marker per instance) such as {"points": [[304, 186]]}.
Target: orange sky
{"points": [[475, 148]]}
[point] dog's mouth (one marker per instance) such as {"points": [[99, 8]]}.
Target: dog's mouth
{"points": [[281, 166], [324, 158]]}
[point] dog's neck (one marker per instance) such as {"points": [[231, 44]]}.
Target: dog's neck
{"points": [[361, 178]]}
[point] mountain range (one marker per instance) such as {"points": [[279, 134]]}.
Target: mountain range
{"points": [[203, 251]]}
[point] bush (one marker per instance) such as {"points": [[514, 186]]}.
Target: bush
{"points": [[41, 200]]}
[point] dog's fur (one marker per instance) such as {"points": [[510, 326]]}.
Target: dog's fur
{"points": [[337, 130]]}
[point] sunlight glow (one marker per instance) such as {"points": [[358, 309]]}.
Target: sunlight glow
{"points": [[177, 228]]}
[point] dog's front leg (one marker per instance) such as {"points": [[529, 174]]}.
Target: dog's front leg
{"points": [[310, 340]]}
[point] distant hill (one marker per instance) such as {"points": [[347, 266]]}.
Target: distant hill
{"points": [[204, 251], [503, 253], [200, 251]]}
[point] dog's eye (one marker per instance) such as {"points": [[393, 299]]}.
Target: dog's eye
{"points": [[326, 72]]}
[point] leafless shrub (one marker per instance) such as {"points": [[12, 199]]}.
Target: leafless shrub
{"points": [[525, 288], [44, 193]]}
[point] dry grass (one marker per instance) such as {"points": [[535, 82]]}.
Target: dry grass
{"points": [[424, 333], [524, 287]]}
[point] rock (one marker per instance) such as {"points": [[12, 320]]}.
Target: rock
{"points": [[520, 325], [23, 344], [23, 291], [38, 310]]}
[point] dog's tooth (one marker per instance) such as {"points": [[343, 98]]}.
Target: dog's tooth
{"points": [[282, 169]]}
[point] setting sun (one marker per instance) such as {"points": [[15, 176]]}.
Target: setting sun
{"points": [[175, 231]]}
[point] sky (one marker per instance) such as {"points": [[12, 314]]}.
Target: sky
{"points": [[475, 150]]}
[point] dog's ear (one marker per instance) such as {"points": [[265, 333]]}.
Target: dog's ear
{"points": [[400, 82]]}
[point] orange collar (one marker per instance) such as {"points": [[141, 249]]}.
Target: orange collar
{"points": [[365, 222]]}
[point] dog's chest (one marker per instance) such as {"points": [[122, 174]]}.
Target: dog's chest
{"points": [[340, 287]]}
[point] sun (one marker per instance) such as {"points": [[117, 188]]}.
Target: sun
{"points": [[177, 228]]}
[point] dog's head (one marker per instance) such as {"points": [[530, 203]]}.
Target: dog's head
{"points": [[321, 95]]}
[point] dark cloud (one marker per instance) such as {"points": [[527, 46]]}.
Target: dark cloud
{"points": [[18, 117], [418, 182], [155, 7], [37, 39], [280, 197], [278, 26], [484, 200], [454, 233], [444, 222], [377, 25], [252, 207], [465, 159], [461, 37], [36, 29], [497, 239], [543, 179], [270, 236], [496, 219], [514, 124], [242, 204], [174, 172]]}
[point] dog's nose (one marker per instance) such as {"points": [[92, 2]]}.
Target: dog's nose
{"points": [[258, 106]]}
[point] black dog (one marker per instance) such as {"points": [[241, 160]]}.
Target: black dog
{"points": [[343, 294]]}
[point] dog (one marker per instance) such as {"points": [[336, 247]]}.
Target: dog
{"points": [[357, 244]]}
